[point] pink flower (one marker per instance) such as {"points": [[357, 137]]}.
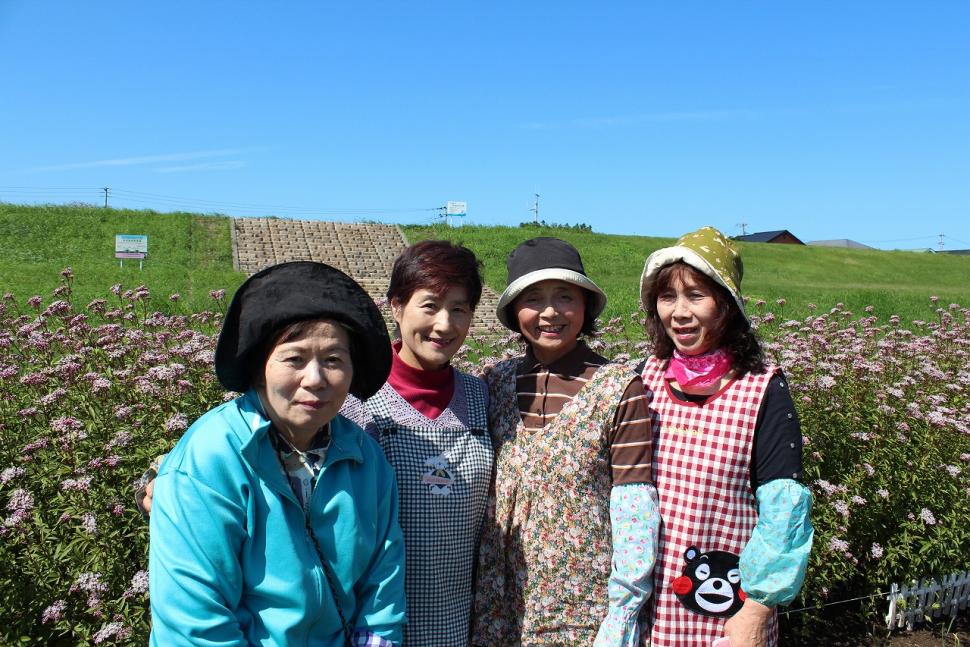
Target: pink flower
{"points": [[115, 630], [34, 302], [178, 422], [11, 473], [89, 583], [52, 397], [217, 295], [20, 499], [927, 517], [839, 545], [139, 584], [66, 425], [90, 523], [876, 551], [54, 612], [82, 484]]}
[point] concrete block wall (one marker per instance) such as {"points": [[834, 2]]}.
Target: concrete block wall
{"points": [[365, 251]]}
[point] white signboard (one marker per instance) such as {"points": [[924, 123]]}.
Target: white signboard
{"points": [[128, 244], [456, 209]]}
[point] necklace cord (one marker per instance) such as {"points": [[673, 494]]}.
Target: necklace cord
{"points": [[348, 639]]}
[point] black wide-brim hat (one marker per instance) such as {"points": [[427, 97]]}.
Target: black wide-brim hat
{"points": [[543, 259], [283, 294]]}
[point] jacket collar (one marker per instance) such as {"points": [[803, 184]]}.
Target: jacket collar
{"points": [[345, 444]]}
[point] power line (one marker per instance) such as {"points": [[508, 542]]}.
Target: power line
{"points": [[147, 198]]}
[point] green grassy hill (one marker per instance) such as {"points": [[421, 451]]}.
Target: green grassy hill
{"points": [[191, 254], [892, 282], [188, 254]]}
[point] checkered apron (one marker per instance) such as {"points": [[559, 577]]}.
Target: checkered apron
{"points": [[443, 475], [702, 469], [546, 547]]}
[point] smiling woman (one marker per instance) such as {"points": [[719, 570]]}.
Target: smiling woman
{"points": [[728, 459], [275, 518], [431, 421]]}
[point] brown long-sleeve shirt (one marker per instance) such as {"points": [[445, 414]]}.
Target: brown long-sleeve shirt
{"points": [[543, 391]]}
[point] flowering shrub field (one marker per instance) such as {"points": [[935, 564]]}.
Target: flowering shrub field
{"points": [[92, 392]]}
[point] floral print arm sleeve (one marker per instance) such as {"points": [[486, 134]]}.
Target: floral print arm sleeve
{"points": [[635, 520], [774, 561]]}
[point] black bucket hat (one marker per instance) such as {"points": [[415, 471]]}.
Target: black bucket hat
{"points": [[542, 259], [283, 294]]}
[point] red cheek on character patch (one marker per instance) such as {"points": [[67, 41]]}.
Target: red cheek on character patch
{"points": [[742, 595], [682, 585]]}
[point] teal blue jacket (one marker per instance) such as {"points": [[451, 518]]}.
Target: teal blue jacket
{"points": [[230, 561]]}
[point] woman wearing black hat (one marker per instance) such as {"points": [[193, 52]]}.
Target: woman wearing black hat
{"points": [[568, 547], [431, 421], [274, 518]]}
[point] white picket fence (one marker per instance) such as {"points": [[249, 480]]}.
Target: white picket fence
{"points": [[912, 603]]}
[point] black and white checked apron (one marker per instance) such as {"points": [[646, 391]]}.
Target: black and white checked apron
{"points": [[443, 472]]}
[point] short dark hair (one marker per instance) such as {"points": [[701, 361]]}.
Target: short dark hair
{"points": [[256, 360], [736, 335], [435, 265]]}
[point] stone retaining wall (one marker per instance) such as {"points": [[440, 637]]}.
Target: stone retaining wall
{"points": [[365, 251]]}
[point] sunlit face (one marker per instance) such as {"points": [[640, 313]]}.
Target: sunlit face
{"points": [[433, 327], [550, 315], [688, 311], [306, 381]]}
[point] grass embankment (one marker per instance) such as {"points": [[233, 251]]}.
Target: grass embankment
{"points": [[892, 282], [188, 254], [191, 254]]}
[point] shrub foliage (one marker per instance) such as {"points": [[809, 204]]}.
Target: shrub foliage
{"points": [[91, 393]]}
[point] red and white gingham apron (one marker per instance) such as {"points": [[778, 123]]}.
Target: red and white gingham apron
{"points": [[702, 469]]}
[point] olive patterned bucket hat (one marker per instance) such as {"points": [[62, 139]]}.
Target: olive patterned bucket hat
{"points": [[708, 251]]}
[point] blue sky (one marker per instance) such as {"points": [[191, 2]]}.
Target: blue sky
{"points": [[830, 119]]}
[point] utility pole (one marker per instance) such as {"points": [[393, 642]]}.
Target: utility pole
{"points": [[941, 241], [743, 225], [535, 210], [105, 189]]}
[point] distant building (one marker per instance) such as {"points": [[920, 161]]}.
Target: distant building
{"points": [[839, 242], [782, 236], [958, 252]]}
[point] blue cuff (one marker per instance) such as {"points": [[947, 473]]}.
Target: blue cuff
{"points": [[635, 519], [774, 561]]}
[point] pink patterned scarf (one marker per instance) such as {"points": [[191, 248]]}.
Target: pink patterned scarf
{"points": [[699, 371]]}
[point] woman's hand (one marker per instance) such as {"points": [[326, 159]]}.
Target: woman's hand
{"points": [[749, 626], [147, 501]]}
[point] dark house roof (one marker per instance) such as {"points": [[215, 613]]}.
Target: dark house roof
{"points": [[958, 252], [780, 236]]}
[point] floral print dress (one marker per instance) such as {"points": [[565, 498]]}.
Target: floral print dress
{"points": [[546, 549]]}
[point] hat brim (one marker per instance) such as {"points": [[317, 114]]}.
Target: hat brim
{"points": [[282, 294], [669, 255], [519, 285]]}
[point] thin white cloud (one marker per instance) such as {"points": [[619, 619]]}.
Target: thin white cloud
{"points": [[145, 159], [227, 165]]}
